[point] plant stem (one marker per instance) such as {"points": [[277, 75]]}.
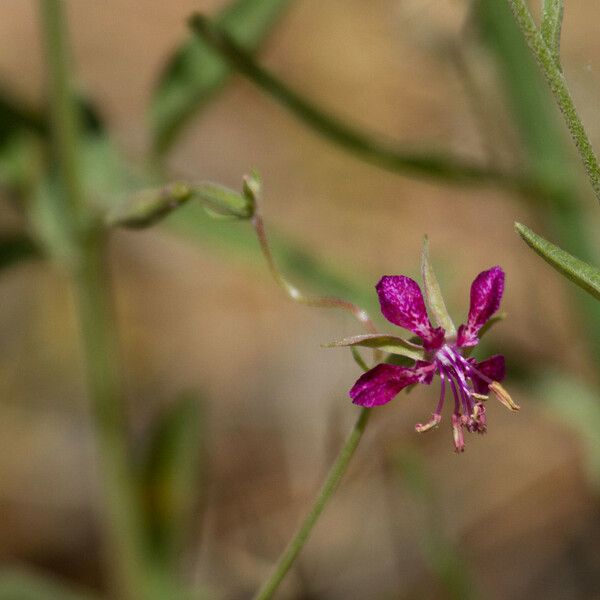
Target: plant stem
{"points": [[552, 17], [63, 115], [555, 79], [331, 483], [122, 531], [383, 153]]}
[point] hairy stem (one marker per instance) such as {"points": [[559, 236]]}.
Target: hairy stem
{"points": [[334, 477], [92, 287], [552, 17], [556, 81]]}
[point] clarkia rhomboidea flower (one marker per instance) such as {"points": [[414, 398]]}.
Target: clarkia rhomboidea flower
{"points": [[444, 350]]}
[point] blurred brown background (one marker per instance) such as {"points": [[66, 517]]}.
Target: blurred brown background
{"points": [[517, 505]]}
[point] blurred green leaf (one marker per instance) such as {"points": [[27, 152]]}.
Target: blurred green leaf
{"points": [[433, 294], [172, 476], [529, 99], [16, 116], [16, 248], [194, 72], [581, 273], [22, 584], [578, 406], [386, 343], [384, 153], [552, 17]]}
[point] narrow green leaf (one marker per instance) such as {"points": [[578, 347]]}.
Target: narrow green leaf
{"points": [[579, 272], [552, 17], [433, 294], [195, 72], [386, 343], [172, 473]]}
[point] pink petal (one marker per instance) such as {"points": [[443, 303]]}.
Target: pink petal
{"points": [[493, 367], [402, 304], [486, 293], [379, 385]]}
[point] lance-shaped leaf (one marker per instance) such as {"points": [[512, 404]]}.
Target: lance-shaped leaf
{"points": [[173, 471], [386, 343], [433, 294], [584, 275], [195, 72]]}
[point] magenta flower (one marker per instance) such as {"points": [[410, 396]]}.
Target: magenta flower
{"points": [[444, 351]]}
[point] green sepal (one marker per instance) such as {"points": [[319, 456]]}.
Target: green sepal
{"points": [[433, 294], [387, 343]]}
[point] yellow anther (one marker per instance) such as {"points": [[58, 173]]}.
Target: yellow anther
{"points": [[503, 396]]}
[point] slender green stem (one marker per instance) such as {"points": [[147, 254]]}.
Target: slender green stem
{"points": [[552, 17], [63, 114], [555, 79], [120, 525], [383, 153], [331, 483]]}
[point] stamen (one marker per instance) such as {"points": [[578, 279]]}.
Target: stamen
{"points": [[463, 386], [479, 396], [433, 422], [457, 432], [503, 396], [436, 417]]}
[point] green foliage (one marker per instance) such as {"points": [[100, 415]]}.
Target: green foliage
{"points": [[433, 294], [529, 100], [382, 152], [385, 343], [15, 248], [172, 474], [579, 272], [194, 73]]}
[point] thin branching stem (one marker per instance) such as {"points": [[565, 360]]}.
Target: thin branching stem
{"points": [[385, 154], [555, 79], [295, 294], [334, 477]]}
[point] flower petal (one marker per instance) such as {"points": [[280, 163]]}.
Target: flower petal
{"points": [[402, 304], [486, 293], [379, 385], [493, 367]]}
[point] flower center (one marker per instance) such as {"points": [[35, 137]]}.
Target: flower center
{"points": [[469, 410]]}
